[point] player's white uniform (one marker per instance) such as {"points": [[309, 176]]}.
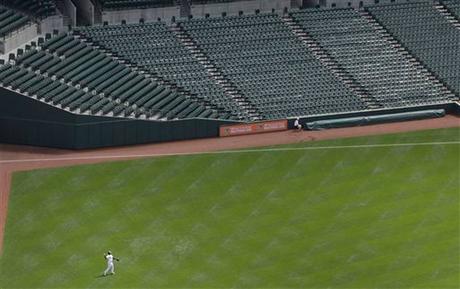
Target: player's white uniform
{"points": [[297, 124], [110, 266]]}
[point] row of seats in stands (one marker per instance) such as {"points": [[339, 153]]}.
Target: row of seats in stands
{"points": [[57, 93], [259, 55], [271, 66], [154, 47], [104, 86], [36, 8], [11, 20], [213, 1], [427, 34], [139, 4], [130, 4], [453, 6], [267, 63], [387, 74]]}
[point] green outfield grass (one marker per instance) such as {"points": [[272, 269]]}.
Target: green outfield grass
{"points": [[370, 217]]}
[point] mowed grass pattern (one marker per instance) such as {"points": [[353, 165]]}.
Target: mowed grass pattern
{"points": [[332, 218]]}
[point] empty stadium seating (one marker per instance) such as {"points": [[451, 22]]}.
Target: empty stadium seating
{"points": [[388, 74], [37, 8], [163, 72], [11, 20], [427, 34], [129, 4], [68, 73], [273, 69], [453, 6], [55, 92], [271, 66], [154, 47], [213, 1]]}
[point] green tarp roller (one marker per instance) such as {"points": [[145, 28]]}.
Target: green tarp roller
{"points": [[366, 120]]}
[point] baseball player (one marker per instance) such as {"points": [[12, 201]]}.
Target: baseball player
{"points": [[110, 267], [297, 124]]}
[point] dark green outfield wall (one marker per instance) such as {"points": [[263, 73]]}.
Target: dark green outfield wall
{"points": [[29, 122], [26, 121]]}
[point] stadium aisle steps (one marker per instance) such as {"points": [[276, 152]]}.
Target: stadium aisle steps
{"points": [[230, 89], [155, 49], [269, 64], [333, 66], [452, 6], [360, 48], [427, 35], [400, 46]]}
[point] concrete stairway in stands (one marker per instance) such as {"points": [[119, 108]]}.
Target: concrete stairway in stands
{"points": [[445, 12], [249, 110], [330, 63], [403, 50], [148, 73]]}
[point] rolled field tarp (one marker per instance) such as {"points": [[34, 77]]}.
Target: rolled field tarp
{"points": [[366, 120]]}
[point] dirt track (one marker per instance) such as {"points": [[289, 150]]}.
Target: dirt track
{"points": [[17, 158]]}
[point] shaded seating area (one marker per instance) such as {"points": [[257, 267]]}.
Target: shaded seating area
{"points": [[54, 92], [95, 83], [35, 8], [427, 34], [11, 20], [155, 48], [135, 4], [453, 6], [387, 73]]}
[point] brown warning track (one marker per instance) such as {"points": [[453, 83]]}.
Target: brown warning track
{"points": [[19, 158]]}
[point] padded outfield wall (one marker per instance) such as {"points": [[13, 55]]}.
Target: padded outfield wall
{"points": [[26, 121]]}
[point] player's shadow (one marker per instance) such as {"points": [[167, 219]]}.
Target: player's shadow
{"points": [[102, 276]]}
